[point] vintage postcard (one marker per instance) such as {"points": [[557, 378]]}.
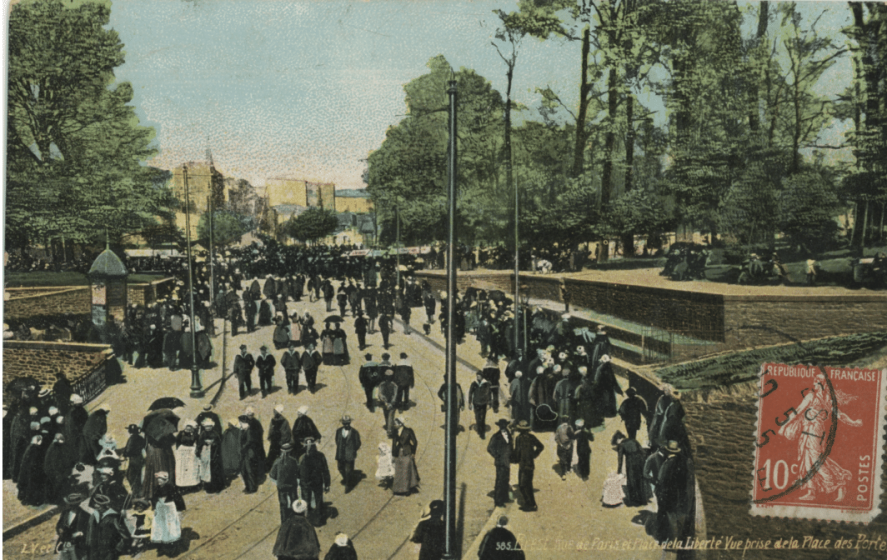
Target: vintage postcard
{"points": [[438, 279]]}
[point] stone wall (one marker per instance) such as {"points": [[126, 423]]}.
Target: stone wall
{"points": [[25, 303], [28, 303], [721, 425], [87, 366], [759, 320]]}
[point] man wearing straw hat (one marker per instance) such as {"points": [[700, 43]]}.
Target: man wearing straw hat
{"points": [[314, 476], [71, 529], [285, 474]]}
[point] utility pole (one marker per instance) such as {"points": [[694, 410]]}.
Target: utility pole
{"points": [[517, 307], [196, 388], [397, 248], [450, 546]]}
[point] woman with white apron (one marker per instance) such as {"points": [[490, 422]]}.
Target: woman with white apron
{"points": [[187, 463], [166, 528]]}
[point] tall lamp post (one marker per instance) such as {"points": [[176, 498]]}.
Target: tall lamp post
{"points": [[516, 269], [450, 452], [525, 301], [196, 387]]}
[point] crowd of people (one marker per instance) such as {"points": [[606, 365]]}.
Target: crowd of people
{"points": [[563, 384]]}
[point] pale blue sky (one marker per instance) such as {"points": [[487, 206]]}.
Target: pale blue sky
{"points": [[309, 88]]}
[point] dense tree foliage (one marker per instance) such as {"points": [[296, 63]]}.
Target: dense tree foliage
{"points": [[75, 150], [312, 224], [226, 226]]}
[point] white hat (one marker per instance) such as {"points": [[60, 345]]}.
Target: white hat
{"points": [[249, 411], [207, 422], [341, 539], [303, 410], [300, 506], [518, 374], [279, 408], [605, 358]]}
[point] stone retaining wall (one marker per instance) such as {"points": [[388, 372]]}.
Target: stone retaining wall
{"points": [[87, 366], [27, 303], [721, 425]]}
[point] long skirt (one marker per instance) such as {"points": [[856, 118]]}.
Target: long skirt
{"points": [[166, 528], [187, 466], [204, 466], [406, 476]]}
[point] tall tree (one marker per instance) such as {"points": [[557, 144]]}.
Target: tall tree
{"points": [[75, 150]]}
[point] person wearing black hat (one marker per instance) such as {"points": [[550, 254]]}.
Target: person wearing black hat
{"points": [[71, 528], [631, 410], [134, 454], [386, 395], [674, 493], [265, 363], [500, 448], [243, 368], [360, 328], [314, 477], [500, 544], [526, 449], [347, 446], [385, 327], [369, 377], [430, 533], [291, 363], [404, 378], [478, 401], [311, 360], [285, 474], [105, 531], [460, 402]]}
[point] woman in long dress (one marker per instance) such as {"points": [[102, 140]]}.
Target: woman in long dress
{"points": [[281, 335], [632, 455], [328, 349], [209, 452], [187, 464], [296, 329], [166, 528], [340, 347], [406, 476]]}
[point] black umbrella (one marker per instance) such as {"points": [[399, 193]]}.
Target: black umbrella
{"points": [[166, 402], [334, 319], [158, 428], [21, 384], [165, 414]]}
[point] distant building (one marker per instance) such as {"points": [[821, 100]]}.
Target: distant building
{"points": [[353, 200], [284, 190], [243, 198], [206, 188], [353, 229]]}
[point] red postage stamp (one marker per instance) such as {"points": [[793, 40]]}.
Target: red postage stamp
{"points": [[819, 443]]}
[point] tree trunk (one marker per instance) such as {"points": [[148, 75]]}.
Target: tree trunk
{"points": [[584, 87], [865, 223], [754, 120], [609, 139], [881, 227], [628, 238]]}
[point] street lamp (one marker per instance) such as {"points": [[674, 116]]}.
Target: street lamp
{"points": [[450, 536], [196, 388], [525, 301]]}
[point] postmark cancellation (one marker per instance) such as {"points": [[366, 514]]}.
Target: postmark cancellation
{"points": [[819, 442]]}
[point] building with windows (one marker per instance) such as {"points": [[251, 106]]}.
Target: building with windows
{"points": [[206, 189], [288, 191], [353, 200]]}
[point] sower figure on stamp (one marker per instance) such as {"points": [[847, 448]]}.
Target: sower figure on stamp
{"points": [[808, 426]]}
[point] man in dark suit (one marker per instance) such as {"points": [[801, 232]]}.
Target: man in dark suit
{"points": [[500, 447], [311, 360], [265, 364], [360, 328], [526, 448], [285, 474], [478, 401], [405, 380], [243, 368], [291, 366], [314, 476], [385, 326], [347, 445], [369, 378]]}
